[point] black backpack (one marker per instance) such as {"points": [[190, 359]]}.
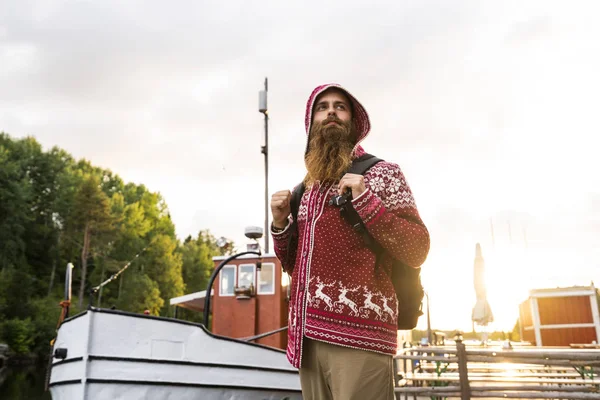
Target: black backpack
{"points": [[406, 280]]}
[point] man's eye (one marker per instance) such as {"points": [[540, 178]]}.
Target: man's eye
{"points": [[321, 107], [341, 107]]}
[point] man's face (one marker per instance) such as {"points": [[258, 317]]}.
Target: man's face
{"points": [[330, 106], [332, 138]]}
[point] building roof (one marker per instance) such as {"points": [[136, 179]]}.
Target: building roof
{"points": [[246, 256], [564, 291], [192, 301]]}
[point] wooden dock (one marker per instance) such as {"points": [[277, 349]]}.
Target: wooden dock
{"points": [[446, 372]]}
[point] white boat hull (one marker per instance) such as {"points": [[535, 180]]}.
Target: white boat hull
{"points": [[117, 355]]}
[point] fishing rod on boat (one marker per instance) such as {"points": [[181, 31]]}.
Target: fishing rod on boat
{"points": [[114, 276], [251, 232]]}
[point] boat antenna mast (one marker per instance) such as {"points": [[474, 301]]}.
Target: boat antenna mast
{"points": [[264, 109]]}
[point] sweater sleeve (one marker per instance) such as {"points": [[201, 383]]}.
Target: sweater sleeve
{"points": [[286, 256], [390, 214]]}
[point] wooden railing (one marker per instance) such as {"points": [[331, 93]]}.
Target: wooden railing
{"points": [[479, 372]]}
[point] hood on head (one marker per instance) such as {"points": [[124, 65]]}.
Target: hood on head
{"points": [[359, 115]]}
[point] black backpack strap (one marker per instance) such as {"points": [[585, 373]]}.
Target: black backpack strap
{"points": [[347, 211], [363, 163], [350, 215]]}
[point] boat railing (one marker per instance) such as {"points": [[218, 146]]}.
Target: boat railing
{"points": [[441, 372], [262, 335]]}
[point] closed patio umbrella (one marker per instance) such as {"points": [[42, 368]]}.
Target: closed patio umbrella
{"points": [[482, 312]]}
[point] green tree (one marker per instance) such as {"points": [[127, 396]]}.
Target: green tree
{"points": [[46, 313], [197, 255], [15, 192], [55, 210], [45, 171], [162, 264], [91, 222], [141, 293], [19, 334], [16, 288]]}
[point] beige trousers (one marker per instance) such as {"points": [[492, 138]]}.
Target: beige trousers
{"points": [[331, 372]]}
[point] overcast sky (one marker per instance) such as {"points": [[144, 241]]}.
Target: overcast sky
{"points": [[489, 107]]}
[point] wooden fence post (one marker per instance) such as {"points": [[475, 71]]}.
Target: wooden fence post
{"points": [[465, 388]]}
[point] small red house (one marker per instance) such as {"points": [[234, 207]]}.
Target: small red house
{"points": [[246, 300], [561, 316], [249, 301]]}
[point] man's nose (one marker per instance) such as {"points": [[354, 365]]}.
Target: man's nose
{"points": [[331, 111]]}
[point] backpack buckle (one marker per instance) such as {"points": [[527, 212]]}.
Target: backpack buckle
{"points": [[358, 227]]}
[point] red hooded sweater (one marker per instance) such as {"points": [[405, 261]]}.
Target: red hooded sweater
{"points": [[338, 295]]}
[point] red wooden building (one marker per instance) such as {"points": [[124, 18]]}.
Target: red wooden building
{"points": [[248, 301], [561, 316]]}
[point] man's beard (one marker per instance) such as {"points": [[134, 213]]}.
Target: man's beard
{"points": [[329, 151]]}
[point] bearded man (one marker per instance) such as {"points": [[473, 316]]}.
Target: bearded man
{"points": [[342, 332]]}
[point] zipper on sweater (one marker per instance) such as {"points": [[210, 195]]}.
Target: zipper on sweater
{"points": [[305, 289]]}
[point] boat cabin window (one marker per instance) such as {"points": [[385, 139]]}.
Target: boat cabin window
{"points": [[246, 277], [266, 279], [227, 281]]}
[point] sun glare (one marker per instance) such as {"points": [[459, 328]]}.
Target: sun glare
{"points": [[508, 283]]}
